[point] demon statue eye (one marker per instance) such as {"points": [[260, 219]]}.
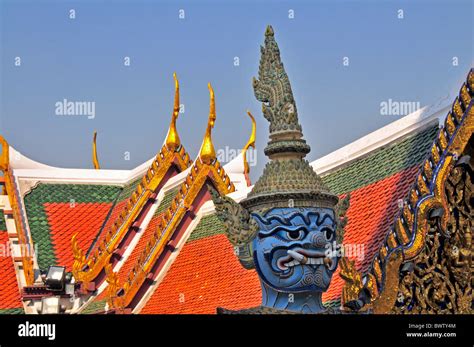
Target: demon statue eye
{"points": [[295, 234]]}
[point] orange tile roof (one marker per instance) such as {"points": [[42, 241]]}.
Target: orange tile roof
{"points": [[205, 275], [9, 292], [371, 214], [114, 214], [65, 220]]}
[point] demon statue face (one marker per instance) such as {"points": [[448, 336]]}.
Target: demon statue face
{"points": [[292, 250]]}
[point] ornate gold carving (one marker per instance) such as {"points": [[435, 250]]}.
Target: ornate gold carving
{"points": [[112, 285], [379, 303], [427, 170], [391, 241], [354, 283], [408, 215], [457, 109], [377, 270], [438, 272], [352, 278], [437, 197], [401, 232], [384, 302], [413, 198], [464, 95], [441, 281], [449, 124], [435, 154], [422, 187], [442, 140], [78, 254], [383, 253]]}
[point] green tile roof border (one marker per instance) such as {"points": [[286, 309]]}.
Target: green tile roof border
{"points": [[382, 162], [166, 201], [208, 226], [129, 188], [3, 224], [12, 311], [95, 307], [332, 303], [59, 193]]}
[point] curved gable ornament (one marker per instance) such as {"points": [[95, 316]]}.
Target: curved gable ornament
{"points": [[206, 168], [427, 281], [87, 267]]}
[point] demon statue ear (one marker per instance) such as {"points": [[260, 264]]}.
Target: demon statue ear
{"points": [[240, 227]]}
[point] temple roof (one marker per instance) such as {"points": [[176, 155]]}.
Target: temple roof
{"points": [[197, 270], [376, 182]]}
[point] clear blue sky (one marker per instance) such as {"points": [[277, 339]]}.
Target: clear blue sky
{"points": [[82, 59]]}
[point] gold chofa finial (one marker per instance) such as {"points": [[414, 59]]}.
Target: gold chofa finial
{"points": [[207, 153], [250, 143], [95, 159], [172, 139]]}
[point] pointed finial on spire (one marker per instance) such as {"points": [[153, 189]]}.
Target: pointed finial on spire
{"points": [[207, 152], [172, 139], [212, 105], [250, 143], [269, 31], [95, 159]]}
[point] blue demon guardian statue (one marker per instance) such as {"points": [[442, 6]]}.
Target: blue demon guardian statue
{"points": [[289, 224]]}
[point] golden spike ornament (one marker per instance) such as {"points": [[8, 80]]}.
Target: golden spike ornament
{"points": [[207, 153], [79, 256], [95, 159], [112, 282], [172, 139], [250, 143]]}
